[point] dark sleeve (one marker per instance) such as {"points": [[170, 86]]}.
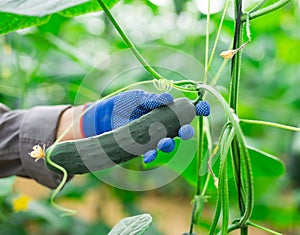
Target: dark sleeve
{"points": [[20, 130]]}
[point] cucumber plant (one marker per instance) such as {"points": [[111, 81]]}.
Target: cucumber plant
{"points": [[231, 145], [231, 139], [231, 142]]}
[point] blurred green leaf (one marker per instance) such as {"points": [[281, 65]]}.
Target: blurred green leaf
{"points": [[10, 229], [45, 211], [264, 164], [6, 185], [9, 90], [281, 214], [30, 13], [11, 22], [288, 49], [44, 7]]}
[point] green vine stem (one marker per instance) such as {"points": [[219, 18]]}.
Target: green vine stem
{"points": [[235, 226], [258, 13], [236, 61], [245, 204], [271, 124], [263, 228], [215, 44], [232, 227], [207, 41], [197, 207], [199, 154], [193, 215], [67, 211], [258, 6], [128, 42]]}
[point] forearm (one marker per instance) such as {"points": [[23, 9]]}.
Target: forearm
{"points": [[69, 124]]}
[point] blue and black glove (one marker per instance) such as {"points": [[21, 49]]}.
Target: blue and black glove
{"points": [[119, 110], [125, 107]]}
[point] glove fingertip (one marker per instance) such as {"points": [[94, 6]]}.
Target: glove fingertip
{"points": [[186, 132], [165, 98], [150, 156], [203, 108], [166, 145]]}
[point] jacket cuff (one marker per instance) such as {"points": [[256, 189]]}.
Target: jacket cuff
{"points": [[39, 127]]}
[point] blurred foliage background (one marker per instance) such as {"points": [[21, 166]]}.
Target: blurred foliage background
{"points": [[69, 60]]}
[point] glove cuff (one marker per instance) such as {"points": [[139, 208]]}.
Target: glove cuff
{"points": [[97, 119]]}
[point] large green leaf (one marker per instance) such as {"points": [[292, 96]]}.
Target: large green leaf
{"points": [[37, 7], [265, 164], [11, 22], [21, 14]]}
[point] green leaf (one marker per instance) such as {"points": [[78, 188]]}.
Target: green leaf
{"points": [[42, 8], [6, 185], [44, 210], [264, 164], [11, 22], [91, 6], [134, 225], [15, 15], [37, 7]]}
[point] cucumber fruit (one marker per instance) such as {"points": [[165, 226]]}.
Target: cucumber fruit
{"points": [[124, 143]]}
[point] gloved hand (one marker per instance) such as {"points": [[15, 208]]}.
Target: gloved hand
{"points": [[119, 110], [125, 107]]}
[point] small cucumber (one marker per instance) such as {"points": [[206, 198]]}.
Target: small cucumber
{"points": [[124, 143]]}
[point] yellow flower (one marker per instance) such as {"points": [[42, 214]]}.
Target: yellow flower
{"points": [[21, 203], [227, 55], [38, 152]]}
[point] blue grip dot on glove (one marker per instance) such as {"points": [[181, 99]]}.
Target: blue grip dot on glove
{"points": [[186, 132], [166, 145], [203, 108]]}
